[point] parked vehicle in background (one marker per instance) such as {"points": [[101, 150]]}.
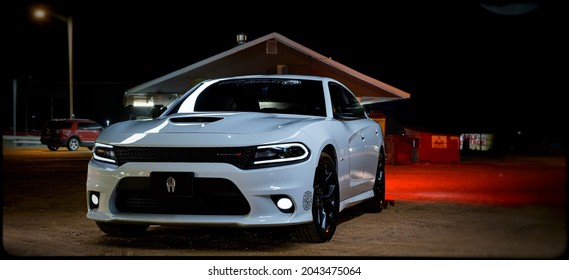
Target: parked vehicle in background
{"points": [[250, 151], [70, 133]]}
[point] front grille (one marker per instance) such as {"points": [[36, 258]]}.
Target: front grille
{"points": [[211, 196], [237, 156]]}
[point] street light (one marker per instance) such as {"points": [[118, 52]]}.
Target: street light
{"points": [[41, 13]]}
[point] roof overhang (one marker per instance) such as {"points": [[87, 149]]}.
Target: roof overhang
{"points": [[269, 54]]}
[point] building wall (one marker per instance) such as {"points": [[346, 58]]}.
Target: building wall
{"points": [[436, 147]]}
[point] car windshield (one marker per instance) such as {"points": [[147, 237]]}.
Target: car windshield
{"points": [[271, 95]]}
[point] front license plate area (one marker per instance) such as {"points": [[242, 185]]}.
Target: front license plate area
{"points": [[172, 183]]}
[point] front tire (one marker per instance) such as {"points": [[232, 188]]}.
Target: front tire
{"points": [[73, 144], [122, 229], [325, 204]]}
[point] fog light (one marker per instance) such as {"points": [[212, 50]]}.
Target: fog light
{"points": [[284, 203], [94, 201]]}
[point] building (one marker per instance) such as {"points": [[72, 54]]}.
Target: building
{"points": [[270, 54]]}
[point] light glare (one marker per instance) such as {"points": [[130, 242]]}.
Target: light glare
{"points": [[39, 13]]}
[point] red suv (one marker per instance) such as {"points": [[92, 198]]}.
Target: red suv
{"points": [[72, 133]]}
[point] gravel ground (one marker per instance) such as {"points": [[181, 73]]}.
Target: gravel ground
{"points": [[498, 208]]}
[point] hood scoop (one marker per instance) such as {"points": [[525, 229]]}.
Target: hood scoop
{"points": [[195, 119]]}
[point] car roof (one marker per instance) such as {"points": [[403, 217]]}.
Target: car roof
{"points": [[277, 76], [70, 120]]}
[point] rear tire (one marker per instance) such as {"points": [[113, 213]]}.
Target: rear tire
{"points": [[122, 229], [73, 144], [53, 148], [377, 203], [325, 204]]}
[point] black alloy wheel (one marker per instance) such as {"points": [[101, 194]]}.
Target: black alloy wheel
{"points": [[377, 203], [325, 204]]}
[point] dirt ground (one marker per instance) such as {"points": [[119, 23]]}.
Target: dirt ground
{"points": [[502, 208]]}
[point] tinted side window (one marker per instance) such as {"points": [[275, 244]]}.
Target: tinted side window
{"points": [[344, 103]]}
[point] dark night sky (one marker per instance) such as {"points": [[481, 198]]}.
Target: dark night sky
{"points": [[465, 67]]}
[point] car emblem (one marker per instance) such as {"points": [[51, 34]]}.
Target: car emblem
{"points": [[171, 184]]}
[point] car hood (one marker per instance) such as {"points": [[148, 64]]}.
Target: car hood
{"points": [[207, 129]]}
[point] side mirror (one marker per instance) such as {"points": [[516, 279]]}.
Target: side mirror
{"points": [[354, 112], [157, 110]]}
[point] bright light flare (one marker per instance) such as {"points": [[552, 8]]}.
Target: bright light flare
{"points": [[40, 13]]}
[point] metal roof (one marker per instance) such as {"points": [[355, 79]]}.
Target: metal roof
{"points": [[264, 55]]}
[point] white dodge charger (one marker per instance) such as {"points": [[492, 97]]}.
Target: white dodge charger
{"points": [[251, 151]]}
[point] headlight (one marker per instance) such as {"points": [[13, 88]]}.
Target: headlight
{"points": [[104, 153], [280, 153]]}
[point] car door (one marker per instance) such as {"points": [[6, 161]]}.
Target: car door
{"points": [[88, 131], [362, 137]]}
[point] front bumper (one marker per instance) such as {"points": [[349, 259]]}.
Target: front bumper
{"points": [[258, 187]]}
